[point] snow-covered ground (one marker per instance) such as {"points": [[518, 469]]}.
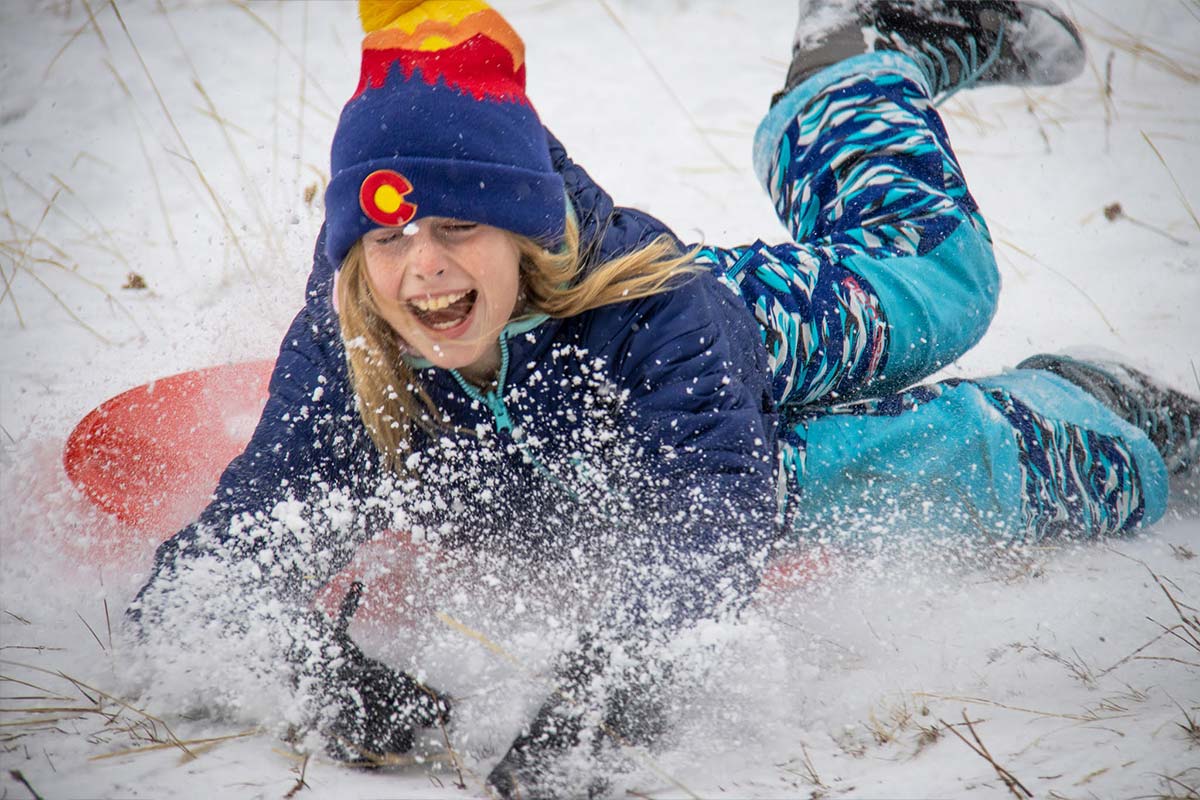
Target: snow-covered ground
{"points": [[206, 184]]}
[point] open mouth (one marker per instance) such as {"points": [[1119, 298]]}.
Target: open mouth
{"points": [[445, 311]]}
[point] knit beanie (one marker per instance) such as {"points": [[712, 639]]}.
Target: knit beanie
{"points": [[440, 126]]}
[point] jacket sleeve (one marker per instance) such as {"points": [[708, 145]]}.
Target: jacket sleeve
{"points": [[699, 410]]}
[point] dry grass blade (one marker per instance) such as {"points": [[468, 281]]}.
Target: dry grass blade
{"points": [[67, 216], [188, 156], [1188, 637], [374, 761], [810, 774], [1115, 211], [22, 259], [1076, 666], [46, 692], [1073, 284], [184, 744], [1190, 726], [1151, 55], [23, 254], [26, 698], [90, 630], [1182, 551], [1171, 659], [282, 45], [95, 25], [70, 312], [1033, 108], [10, 245], [300, 782], [927, 735], [70, 40], [1179, 189], [174, 740], [97, 695], [1015, 787], [34, 722], [1171, 783], [211, 109], [1109, 106], [224, 122], [74, 273], [450, 751], [1130, 657], [113, 247], [259, 204], [11, 295], [50, 710], [1190, 624], [16, 775], [471, 633], [986, 702], [158, 193], [1140, 48], [303, 90], [108, 622]]}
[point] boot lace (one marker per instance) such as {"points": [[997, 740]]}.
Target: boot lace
{"points": [[934, 64]]}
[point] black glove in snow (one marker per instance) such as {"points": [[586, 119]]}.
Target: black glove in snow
{"points": [[631, 714], [378, 708]]}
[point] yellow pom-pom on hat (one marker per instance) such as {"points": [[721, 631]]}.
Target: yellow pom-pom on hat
{"points": [[376, 14], [408, 15]]}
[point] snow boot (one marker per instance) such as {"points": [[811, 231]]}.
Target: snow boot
{"points": [[1171, 419], [958, 44]]}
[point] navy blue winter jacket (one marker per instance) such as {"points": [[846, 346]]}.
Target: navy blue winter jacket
{"points": [[646, 425]]}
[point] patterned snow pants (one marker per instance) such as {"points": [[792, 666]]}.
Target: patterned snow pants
{"points": [[889, 277]]}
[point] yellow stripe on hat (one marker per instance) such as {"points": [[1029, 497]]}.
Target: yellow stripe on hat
{"points": [[431, 34], [407, 15], [435, 42]]}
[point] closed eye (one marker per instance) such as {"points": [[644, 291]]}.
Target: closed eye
{"points": [[388, 238]]}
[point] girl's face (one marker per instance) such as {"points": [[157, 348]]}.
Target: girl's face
{"points": [[447, 287]]}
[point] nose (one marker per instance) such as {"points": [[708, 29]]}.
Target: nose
{"points": [[428, 258]]}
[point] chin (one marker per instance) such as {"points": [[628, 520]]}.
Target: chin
{"points": [[449, 357]]}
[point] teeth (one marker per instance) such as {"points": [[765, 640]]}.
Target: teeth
{"points": [[441, 326], [437, 303]]}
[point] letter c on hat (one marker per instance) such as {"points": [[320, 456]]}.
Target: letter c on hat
{"points": [[381, 197]]}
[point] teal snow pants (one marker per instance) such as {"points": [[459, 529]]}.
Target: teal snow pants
{"points": [[889, 277]]}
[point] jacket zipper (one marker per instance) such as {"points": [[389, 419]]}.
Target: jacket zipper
{"points": [[494, 399]]}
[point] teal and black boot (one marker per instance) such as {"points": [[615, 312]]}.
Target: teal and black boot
{"points": [[1170, 419], [958, 44]]}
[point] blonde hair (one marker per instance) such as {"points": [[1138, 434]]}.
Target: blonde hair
{"points": [[392, 401]]}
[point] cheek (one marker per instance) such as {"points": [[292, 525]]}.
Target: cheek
{"points": [[384, 277], [505, 278], [502, 297]]}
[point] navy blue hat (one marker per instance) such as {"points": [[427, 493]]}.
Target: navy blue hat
{"points": [[440, 126]]}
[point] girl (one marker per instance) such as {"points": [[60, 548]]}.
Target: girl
{"points": [[495, 357]]}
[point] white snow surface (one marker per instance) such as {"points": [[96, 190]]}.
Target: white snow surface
{"points": [[1058, 655]]}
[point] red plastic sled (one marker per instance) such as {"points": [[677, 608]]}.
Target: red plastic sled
{"points": [[151, 457]]}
